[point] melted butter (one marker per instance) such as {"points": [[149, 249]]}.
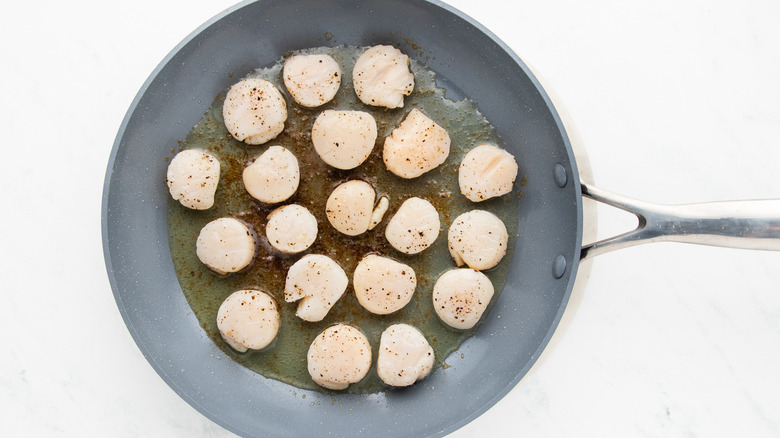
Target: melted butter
{"points": [[285, 358]]}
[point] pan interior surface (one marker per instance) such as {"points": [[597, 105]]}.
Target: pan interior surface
{"points": [[469, 62]]}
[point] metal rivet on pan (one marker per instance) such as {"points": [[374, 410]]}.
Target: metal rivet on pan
{"points": [[559, 266], [559, 175]]}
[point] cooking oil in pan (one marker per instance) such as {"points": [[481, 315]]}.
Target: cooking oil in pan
{"points": [[285, 358]]}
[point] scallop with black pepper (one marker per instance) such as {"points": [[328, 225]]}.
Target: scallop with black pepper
{"points": [[273, 177], [486, 171], [350, 207], [254, 111], [414, 227], [316, 282], [192, 178], [418, 145], [383, 285], [478, 239], [338, 356], [344, 139], [291, 229], [460, 297], [226, 245], [312, 80], [248, 320], [381, 77], [405, 356]]}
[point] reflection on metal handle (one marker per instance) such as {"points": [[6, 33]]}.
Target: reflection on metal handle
{"points": [[734, 224]]}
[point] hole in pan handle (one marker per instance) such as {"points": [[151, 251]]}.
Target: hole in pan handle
{"points": [[751, 224]]}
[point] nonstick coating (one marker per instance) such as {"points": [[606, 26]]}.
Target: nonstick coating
{"points": [[470, 62]]}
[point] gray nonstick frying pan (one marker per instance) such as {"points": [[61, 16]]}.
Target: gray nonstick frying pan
{"points": [[470, 61]]}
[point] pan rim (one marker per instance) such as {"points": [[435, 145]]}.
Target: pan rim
{"points": [[572, 259]]}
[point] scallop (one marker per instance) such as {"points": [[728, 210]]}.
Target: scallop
{"points": [[273, 177], [382, 77], [344, 139], [312, 80], [338, 357], [477, 238], [418, 145], [486, 171], [460, 297], [414, 227], [405, 356], [379, 212], [226, 245], [193, 176], [349, 207], [254, 111], [383, 285], [248, 320], [291, 229], [317, 282]]}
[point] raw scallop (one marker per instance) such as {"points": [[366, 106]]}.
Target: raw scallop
{"points": [[273, 177], [349, 207], [477, 238], [383, 285], [414, 227], [382, 78], [460, 297], [339, 356], [291, 229], [486, 171], [226, 245], [318, 282], [416, 146], [192, 178], [248, 320], [312, 80], [344, 139], [405, 356], [254, 111]]}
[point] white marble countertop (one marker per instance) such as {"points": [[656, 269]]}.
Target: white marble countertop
{"points": [[674, 102]]}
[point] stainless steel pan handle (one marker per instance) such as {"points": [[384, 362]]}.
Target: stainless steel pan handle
{"points": [[734, 224]]}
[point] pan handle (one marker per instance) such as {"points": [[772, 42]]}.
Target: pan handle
{"points": [[733, 224]]}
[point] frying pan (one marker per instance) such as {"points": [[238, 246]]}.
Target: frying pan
{"points": [[470, 62]]}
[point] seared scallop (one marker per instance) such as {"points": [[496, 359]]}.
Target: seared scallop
{"points": [[405, 356], [339, 356], [460, 297], [414, 227], [226, 245], [273, 177], [192, 178], [383, 285], [477, 238], [350, 206], [254, 111], [291, 229], [382, 78], [312, 80], [344, 139], [318, 282], [248, 320], [416, 146], [486, 171]]}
